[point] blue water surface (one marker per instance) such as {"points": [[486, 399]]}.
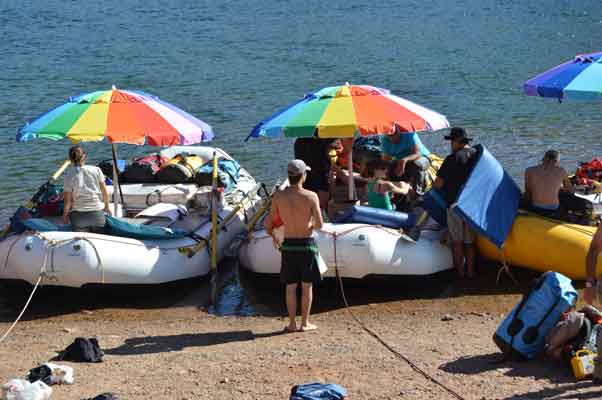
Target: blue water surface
{"points": [[233, 63]]}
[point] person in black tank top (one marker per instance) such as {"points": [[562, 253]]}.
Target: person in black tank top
{"points": [[451, 176]]}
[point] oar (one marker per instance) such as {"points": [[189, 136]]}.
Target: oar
{"points": [[214, 197], [30, 203], [264, 208]]}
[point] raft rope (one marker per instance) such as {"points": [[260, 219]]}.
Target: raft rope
{"points": [[370, 332], [505, 268], [49, 246], [35, 287]]}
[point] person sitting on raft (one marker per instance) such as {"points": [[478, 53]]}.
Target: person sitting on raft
{"points": [[379, 188], [85, 194], [409, 156], [542, 184]]}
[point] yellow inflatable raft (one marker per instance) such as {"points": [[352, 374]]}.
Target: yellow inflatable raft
{"points": [[543, 244]]}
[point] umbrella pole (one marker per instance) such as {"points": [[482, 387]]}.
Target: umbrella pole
{"points": [[350, 169], [116, 186]]}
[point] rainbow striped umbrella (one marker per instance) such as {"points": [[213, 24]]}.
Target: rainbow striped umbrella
{"points": [[121, 116], [346, 110], [579, 79]]}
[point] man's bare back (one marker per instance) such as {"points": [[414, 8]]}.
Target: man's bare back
{"points": [[299, 210], [542, 183]]}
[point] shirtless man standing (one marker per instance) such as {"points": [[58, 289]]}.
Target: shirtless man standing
{"points": [[299, 210], [542, 183]]}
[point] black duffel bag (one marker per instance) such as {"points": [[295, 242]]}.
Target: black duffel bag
{"points": [[143, 169]]}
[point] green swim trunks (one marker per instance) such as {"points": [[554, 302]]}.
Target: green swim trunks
{"points": [[299, 261]]}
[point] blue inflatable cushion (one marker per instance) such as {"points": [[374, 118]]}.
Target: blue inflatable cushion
{"points": [[377, 216], [118, 227]]}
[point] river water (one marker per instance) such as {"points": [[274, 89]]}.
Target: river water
{"points": [[234, 63]]}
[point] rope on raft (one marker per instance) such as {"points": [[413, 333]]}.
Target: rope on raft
{"points": [[49, 246]]}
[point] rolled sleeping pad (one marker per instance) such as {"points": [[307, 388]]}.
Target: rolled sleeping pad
{"points": [[179, 169], [377, 216]]}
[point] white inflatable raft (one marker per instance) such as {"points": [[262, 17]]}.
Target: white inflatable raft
{"points": [[361, 251], [75, 259]]}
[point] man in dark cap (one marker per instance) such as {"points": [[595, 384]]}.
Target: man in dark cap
{"points": [[450, 178]]}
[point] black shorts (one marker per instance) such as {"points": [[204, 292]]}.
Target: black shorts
{"points": [[299, 261]]}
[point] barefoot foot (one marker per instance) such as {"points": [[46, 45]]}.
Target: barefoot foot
{"points": [[308, 327]]}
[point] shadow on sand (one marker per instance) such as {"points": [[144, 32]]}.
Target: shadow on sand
{"points": [[267, 294], [164, 344], [561, 393], [240, 292], [555, 373]]}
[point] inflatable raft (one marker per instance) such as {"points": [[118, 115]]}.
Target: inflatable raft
{"points": [[74, 259], [359, 251], [543, 244]]}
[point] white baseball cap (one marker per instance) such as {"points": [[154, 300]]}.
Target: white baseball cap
{"points": [[297, 167]]}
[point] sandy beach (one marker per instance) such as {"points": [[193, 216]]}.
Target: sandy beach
{"points": [[164, 344]]}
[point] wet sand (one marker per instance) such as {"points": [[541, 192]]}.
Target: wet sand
{"points": [[166, 343]]}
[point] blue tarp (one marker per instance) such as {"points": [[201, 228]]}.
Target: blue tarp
{"points": [[434, 204], [489, 199]]}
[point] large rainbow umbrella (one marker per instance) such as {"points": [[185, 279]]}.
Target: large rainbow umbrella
{"points": [[347, 110], [121, 116], [578, 79]]}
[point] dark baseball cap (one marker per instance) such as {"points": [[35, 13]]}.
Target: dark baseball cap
{"points": [[458, 134]]}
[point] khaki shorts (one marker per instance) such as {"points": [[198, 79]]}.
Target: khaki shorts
{"points": [[459, 231]]}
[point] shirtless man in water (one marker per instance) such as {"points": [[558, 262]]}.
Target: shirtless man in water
{"points": [[542, 183], [299, 210]]}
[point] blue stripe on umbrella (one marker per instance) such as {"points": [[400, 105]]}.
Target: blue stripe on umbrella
{"points": [[587, 85], [553, 82], [30, 131], [263, 129]]}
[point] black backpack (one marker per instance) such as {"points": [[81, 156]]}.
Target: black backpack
{"points": [[105, 396], [82, 350], [41, 373]]}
